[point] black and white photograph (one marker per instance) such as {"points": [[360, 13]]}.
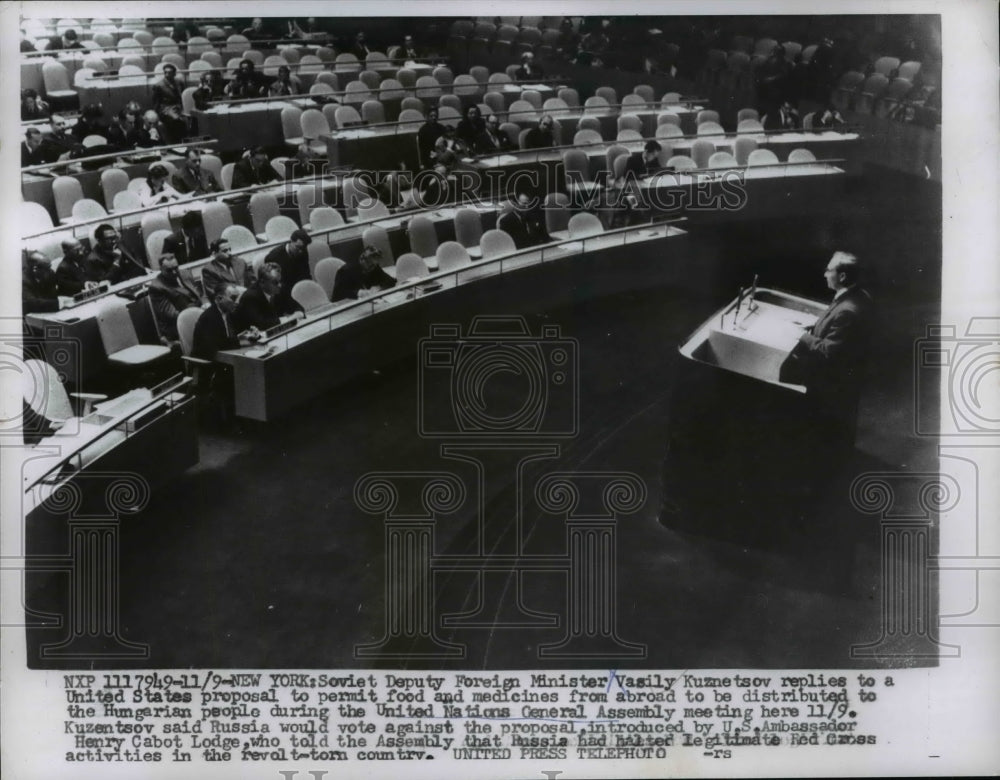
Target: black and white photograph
{"points": [[608, 393]]}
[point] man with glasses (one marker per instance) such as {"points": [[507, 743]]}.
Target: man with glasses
{"points": [[110, 262], [170, 293], [264, 304]]}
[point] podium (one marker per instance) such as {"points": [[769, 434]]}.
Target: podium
{"points": [[743, 446]]}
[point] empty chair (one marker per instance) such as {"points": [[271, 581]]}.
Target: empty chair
{"points": [[392, 89], [629, 122], [213, 58], [66, 191], [175, 59], [452, 256], [583, 137], [469, 230], [701, 150], [708, 115], [125, 201], [792, 50], [163, 45], [522, 112], [893, 96], [237, 43], [680, 162], [846, 90], [557, 214], [121, 343], [608, 93], [226, 176], [570, 96], [909, 70], [239, 238], [499, 79], [595, 105], [747, 113], [324, 218], [320, 88], [765, 46], [413, 104], [308, 198], [721, 160], [870, 92], [345, 62], [82, 77], [406, 78], [444, 75], [314, 127], [629, 135], [113, 181], [215, 218], [467, 85], [373, 112], [372, 209], [263, 206], [583, 225], [43, 390], [346, 116], [801, 156], [532, 96], [154, 247], [355, 191], [632, 104], [514, 133], [279, 228], [154, 220], [317, 250], [612, 153], [87, 209], [710, 128], [95, 63], [495, 101], [309, 295], [325, 273], [762, 157], [577, 168], [449, 116], [451, 102], [55, 77], [35, 218], [410, 116], [411, 266], [742, 148], [497, 243], [554, 105], [376, 236], [356, 93], [884, 66], [370, 79], [668, 118], [589, 123], [423, 236], [291, 126], [749, 126], [645, 91], [428, 88], [670, 98], [329, 78]]}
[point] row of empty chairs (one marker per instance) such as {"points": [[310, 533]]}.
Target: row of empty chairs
{"points": [[872, 95]]}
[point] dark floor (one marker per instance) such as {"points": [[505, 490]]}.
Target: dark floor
{"points": [[259, 557]]}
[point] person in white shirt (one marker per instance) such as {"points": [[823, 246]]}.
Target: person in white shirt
{"points": [[156, 189]]}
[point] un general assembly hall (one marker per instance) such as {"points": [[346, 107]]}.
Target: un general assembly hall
{"points": [[485, 342]]}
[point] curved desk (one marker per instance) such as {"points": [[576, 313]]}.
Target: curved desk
{"points": [[346, 339]]}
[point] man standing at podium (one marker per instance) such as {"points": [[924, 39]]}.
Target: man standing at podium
{"points": [[830, 356]]}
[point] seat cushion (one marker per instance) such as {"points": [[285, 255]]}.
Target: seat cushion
{"points": [[138, 355]]}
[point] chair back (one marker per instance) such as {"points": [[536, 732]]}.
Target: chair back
{"points": [[800, 156], [748, 126], [468, 227], [115, 326], [742, 148], [125, 201], [557, 212], [570, 96], [153, 221], [451, 256], [423, 236], [373, 112], [314, 124], [584, 224], [324, 218], [370, 208], [410, 116], [113, 181], [34, 218], [762, 157], [668, 130], [497, 243], [263, 206], [629, 122], [608, 93], [215, 217], [710, 128], [279, 228], [309, 295], [412, 104], [721, 160], [370, 79], [43, 391], [346, 61], [747, 113], [411, 266], [154, 247], [701, 150], [66, 191], [376, 236], [325, 273], [428, 88], [632, 104], [707, 115], [186, 320], [239, 238], [86, 209], [226, 176], [308, 199], [595, 105], [582, 137], [55, 77], [291, 122]]}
